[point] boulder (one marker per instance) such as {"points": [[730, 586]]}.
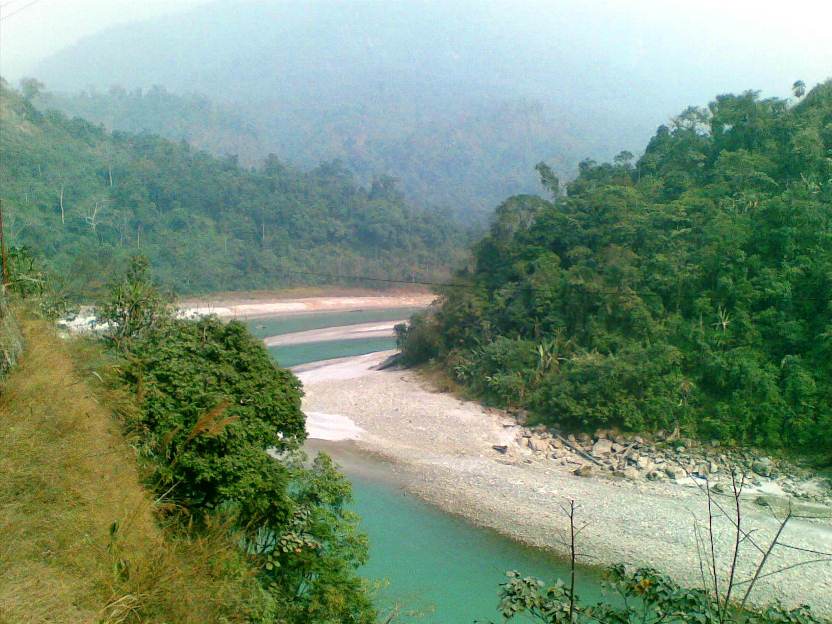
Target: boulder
{"points": [[645, 463], [763, 466], [602, 447], [675, 472], [538, 444], [555, 443], [631, 474], [583, 471]]}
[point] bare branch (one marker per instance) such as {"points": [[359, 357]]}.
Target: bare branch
{"points": [[764, 560]]}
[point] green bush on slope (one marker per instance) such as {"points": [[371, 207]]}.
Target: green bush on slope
{"points": [[220, 426]]}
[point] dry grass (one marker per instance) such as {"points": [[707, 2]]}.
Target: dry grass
{"points": [[79, 541]]}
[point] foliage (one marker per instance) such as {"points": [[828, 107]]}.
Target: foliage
{"points": [[80, 539], [212, 403], [135, 305], [88, 200], [642, 596], [220, 426], [42, 291], [688, 288]]}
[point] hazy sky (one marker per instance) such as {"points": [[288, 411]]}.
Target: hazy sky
{"points": [[765, 39], [46, 26]]}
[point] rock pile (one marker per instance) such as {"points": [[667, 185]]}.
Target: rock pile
{"points": [[667, 459]]}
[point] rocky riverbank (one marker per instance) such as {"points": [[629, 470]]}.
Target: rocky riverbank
{"points": [[669, 458], [485, 465]]}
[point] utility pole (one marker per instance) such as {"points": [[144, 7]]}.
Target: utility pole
{"points": [[3, 257]]}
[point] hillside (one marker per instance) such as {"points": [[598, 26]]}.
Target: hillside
{"points": [[462, 161], [85, 199], [78, 538], [689, 289], [194, 119], [459, 100]]}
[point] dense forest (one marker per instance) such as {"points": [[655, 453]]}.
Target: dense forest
{"points": [[461, 162], [86, 199], [688, 289]]}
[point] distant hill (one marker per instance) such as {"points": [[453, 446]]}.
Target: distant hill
{"points": [[86, 199], [458, 100], [191, 118]]}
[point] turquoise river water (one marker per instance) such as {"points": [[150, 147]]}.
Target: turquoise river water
{"points": [[439, 568]]}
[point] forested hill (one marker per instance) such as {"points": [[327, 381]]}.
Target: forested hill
{"points": [[85, 199], [689, 288], [193, 118], [462, 159], [457, 99]]}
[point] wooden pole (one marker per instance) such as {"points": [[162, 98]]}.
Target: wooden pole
{"points": [[3, 256]]}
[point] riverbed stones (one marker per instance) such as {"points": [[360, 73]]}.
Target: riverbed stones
{"points": [[602, 447], [584, 471], [631, 474], [538, 444], [763, 466], [632, 457], [645, 463]]}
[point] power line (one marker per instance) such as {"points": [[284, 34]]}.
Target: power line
{"points": [[366, 278], [415, 282], [21, 9]]}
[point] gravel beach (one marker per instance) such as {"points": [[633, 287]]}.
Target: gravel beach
{"points": [[445, 448]]}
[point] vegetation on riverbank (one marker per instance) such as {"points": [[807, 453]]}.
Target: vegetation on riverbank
{"points": [[80, 538], [220, 429], [688, 289], [160, 479]]}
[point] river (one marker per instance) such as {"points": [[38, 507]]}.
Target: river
{"points": [[438, 568]]}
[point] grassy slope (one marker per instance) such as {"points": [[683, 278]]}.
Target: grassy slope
{"points": [[68, 475]]}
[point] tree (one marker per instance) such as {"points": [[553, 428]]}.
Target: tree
{"points": [[135, 306], [221, 427], [30, 88], [799, 89], [645, 596], [691, 288]]}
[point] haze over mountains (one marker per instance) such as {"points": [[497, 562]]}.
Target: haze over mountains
{"points": [[457, 100]]}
